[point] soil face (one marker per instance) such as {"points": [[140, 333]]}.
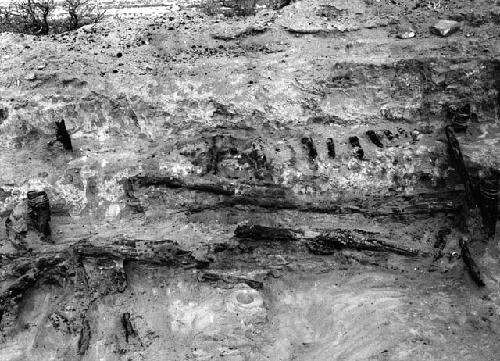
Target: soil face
{"points": [[279, 186]]}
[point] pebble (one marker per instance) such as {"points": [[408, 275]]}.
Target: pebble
{"points": [[406, 31], [30, 76]]}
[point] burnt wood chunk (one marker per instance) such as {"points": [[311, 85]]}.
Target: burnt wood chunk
{"points": [[132, 201], [310, 148], [440, 242], [388, 134], [457, 160], [374, 137], [357, 150], [128, 188], [460, 117], [127, 326], [84, 340], [214, 276], [330, 242], [172, 182], [489, 192], [472, 266], [215, 154], [330, 145], [39, 212], [62, 135], [262, 233]]}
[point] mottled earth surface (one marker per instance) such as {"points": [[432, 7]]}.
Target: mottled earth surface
{"points": [[186, 128]]}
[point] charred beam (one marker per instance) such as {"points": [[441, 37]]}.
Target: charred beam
{"points": [[329, 243], [458, 162], [214, 276], [262, 233], [84, 340], [171, 182], [163, 252], [472, 266]]}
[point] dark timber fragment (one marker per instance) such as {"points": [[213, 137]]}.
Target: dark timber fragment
{"points": [[84, 341], [440, 242], [171, 182], [489, 192], [332, 241], [374, 137], [62, 135], [472, 266], [331, 148], [262, 233], [127, 326], [458, 162], [214, 276], [357, 150], [311, 149], [132, 200], [215, 154], [4, 114], [461, 116], [39, 212]]}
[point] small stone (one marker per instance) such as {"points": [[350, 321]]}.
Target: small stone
{"points": [[30, 76], [406, 31], [445, 27], [41, 66], [119, 55]]}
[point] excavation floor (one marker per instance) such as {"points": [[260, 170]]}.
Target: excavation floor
{"points": [[351, 313]]}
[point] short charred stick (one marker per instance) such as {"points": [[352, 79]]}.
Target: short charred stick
{"points": [[357, 150], [440, 242], [374, 137], [62, 135], [489, 193], [330, 145], [39, 212], [310, 148], [215, 154], [127, 326]]}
